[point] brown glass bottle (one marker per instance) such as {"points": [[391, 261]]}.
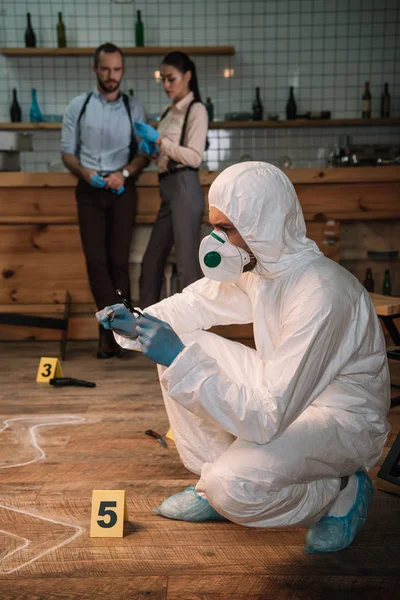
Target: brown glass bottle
{"points": [[385, 102], [366, 102], [61, 35]]}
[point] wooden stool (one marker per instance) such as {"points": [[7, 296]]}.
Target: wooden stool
{"points": [[24, 320]]}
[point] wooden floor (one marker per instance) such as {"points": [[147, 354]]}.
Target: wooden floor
{"points": [[60, 444]]}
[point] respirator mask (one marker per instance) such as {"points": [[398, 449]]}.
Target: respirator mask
{"points": [[220, 259]]}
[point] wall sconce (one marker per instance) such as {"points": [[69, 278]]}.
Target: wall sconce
{"points": [[157, 75], [229, 73]]}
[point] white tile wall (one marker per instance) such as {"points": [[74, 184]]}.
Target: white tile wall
{"points": [[325, 48]]}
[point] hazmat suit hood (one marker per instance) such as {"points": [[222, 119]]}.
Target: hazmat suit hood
{"points": [[262, 204]]}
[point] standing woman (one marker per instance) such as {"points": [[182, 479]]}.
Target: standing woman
{"points": [[180, 142]]}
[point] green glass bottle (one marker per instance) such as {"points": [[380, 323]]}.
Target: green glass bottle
{"points": [[387, 284], [139, 30], [61, 36]]}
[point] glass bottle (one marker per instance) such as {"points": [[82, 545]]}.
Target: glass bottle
{"points": [[30, 37], [139, 30], [61, 35], [366, 102], [368, 281], [15, 109], [210, 109], [385, 102], [257, 107], [35, 114], [291, 106], [387, 284]]}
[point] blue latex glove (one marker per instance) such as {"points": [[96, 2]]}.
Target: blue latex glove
{"points": [[331, 534], [148, 147], [188, 506], [118, 192], [147, 132], [121, 320], [97, 181], [158, 340]]}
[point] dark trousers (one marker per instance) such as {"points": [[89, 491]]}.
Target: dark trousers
{"points": [[106, 223], [178, 222]]}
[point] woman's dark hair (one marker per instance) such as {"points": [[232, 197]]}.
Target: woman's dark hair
{"points": [[183, 63]]}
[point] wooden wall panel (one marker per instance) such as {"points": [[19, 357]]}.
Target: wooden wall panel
{"points": [[354, 201], [39, 240], [41, 257]]}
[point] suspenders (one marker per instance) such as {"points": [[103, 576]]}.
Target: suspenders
{"points": [[171, 163], [184, 126], [133, 143]]}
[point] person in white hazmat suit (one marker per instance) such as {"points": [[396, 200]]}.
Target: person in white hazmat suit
{"points": [[281, 435]]}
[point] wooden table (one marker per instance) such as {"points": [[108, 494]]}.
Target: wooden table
{"points": [[388, 309]]}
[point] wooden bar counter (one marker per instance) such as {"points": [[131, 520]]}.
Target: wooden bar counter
{"points": [[41, 254]]}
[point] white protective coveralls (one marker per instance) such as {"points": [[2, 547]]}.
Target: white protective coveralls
{"points": [[271, 431]]}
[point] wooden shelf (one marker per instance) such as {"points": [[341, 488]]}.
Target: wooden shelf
{"points": [[30, 126], [298, 124], [302, 123], [128, 51]]}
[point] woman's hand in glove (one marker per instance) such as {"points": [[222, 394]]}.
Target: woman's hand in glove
{"points": [[147, 132], [158, 340], [118, 318], [148, 147]]}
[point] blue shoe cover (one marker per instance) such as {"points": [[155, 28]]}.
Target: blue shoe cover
{"points": [[188, 506], [332, 534]]}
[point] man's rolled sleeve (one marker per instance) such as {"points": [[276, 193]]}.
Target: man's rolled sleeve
{"points": [[69, 132]]}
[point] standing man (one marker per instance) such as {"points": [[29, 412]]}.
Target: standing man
{"points": [[99, 145]]}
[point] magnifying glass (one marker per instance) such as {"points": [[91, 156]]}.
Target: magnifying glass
{"points": [[128, 304]]}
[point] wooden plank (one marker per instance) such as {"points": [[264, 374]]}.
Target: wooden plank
{"points": [[342, 201], [303, 123], [336, 175], [357, 238], [38, 240], [386, 305], [279, 587], [270, 124], [319, 202], [127, 50]]}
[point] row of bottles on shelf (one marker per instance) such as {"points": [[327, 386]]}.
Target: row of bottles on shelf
{"points": [[30, 37], [291, 109], [257, 114], [35, 114], [369, 283], [291, 106]]}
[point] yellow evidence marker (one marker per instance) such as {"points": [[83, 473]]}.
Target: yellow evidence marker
{"points": [[109, 511], [48, 368], [170, 435]]}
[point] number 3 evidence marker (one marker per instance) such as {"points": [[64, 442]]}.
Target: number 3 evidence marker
{"points": [[48, 368], [108, 513]]}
